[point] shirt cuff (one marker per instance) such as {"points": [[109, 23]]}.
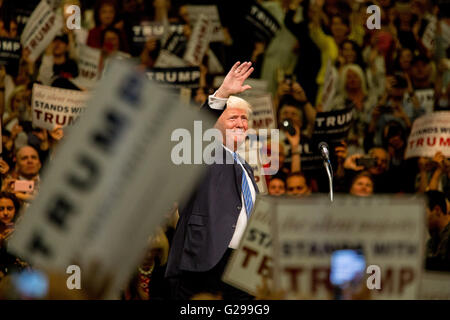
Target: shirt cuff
{"points": [[216, 103]]}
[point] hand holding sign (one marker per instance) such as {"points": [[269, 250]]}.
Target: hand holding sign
{"points": [[234, 80], [57, 133]]}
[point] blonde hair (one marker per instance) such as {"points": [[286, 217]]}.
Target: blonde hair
{"points": [[12, 95], [236, 102]]}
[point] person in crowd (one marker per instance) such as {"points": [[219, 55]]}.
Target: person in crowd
{"points": [[434, 173], [307, 51], [329, 49], [353, 93], [111, 41], [390, 108], [350, 53], [58, 64], [106, 14], [9, 212], [148, 283], [438, 219], [28, 166], [297, 185], [377, 166], [403, 61], [362, 185], [405, 25], [76, 37]]}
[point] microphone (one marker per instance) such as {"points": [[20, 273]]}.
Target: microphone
{"points": [[323, 148]]}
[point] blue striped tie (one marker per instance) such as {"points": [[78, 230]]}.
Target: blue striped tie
{"points": [[245, 191]]}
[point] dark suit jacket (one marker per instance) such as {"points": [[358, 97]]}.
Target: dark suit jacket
{"points": [[208, 220]]}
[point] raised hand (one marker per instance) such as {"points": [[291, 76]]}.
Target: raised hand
{"points": [[234, 80]]}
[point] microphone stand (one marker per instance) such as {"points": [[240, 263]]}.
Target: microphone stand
{"points": [[329, 170]]}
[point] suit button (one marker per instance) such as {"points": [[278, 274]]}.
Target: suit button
{"points": [[233, 226], [239, 207]]}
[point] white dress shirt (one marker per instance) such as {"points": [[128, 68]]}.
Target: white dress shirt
{"points": [[217, 103]]}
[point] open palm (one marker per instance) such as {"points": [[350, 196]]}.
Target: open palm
{"points": [[234, 80]]}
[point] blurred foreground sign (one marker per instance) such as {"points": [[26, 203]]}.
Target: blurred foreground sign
{"points": [[290, 241], [111, 182], [389, 231]]}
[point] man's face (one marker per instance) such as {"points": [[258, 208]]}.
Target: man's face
{"points": [[362, 187], [7, 210], [296, 186], [233, 124], [28, 162], [276, 187], [382, 161]]}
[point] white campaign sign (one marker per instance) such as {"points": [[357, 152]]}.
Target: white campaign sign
{"points": [[88, 65], [389, 231], [252, 261], [429, 134], [194, 12], [57, 107], [199, 41], [111, 182], [41, 28]]}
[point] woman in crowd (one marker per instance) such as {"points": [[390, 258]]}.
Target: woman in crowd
{"points": [[9, 209], [106, 13], [353, 93], [9, 212]]}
